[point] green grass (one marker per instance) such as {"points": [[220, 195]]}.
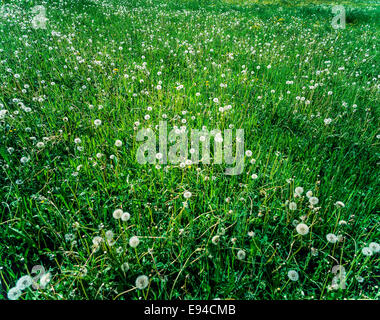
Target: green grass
{"points": [[87, 65]]}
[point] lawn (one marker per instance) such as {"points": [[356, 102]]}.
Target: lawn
{"points": [[82, 217]]}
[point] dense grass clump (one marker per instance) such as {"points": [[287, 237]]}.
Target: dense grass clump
{"points": [[74, 199]]}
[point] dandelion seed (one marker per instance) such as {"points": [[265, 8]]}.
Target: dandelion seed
{"points": [[298, 191], [14, 293], [40, 145], [109, 235], [97, 122], [309, 194], [367, 251], [339, 204], [69, 237], [314, 252], [222, 231], [215, 239], [293, 275], [142, 282], [293, 206], [187, 194], [125, 267], [313, 200], [134, 242], [24, 160], [374, 246], [302, 229], [117, 213], [24, 282], [241, 254], [332, 238], [97, 240], [254, 176], [118, 143], [45, 279], [125, 216]]}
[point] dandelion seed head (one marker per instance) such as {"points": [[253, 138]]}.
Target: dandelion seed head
{"points": [[125, 216], [293, 275], [367, 251], [134, 242], [117, 213], [14, 293], [142, 282], [125, 267], [24, 282], [332, 238], [215, 239], [302, 229], [293, 206], [187, 194], [374, 246], [339, 204], [241, 254], [298, 191], [313, 200]]}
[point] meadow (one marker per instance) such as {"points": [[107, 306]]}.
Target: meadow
{"points": [[81, 218]]}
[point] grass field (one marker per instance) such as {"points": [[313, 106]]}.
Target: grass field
{"points": [[81, 218]]}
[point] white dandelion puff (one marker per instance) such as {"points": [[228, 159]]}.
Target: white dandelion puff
{"points": [[125, 267], [14, 293], [339, 204], [313, 200], [109, 234], [215, 239], [97, 240], [117, 213], [332, 238], [187, 194], [302, 229], [24, 282], [293, 206], [142, 282], [298, 191], [367, 251], [374, 246], [241, 254], [45, 279], [293, 275], [134, 242], [125, 216]]}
